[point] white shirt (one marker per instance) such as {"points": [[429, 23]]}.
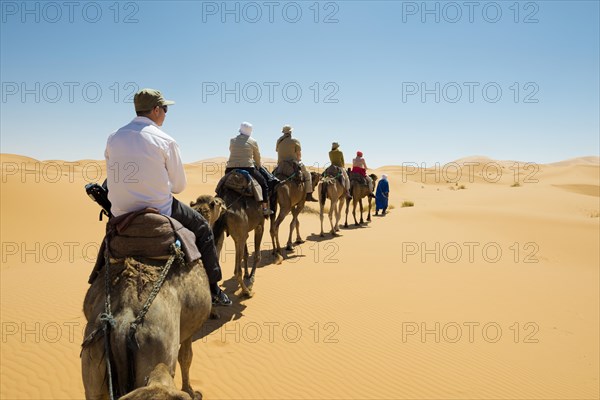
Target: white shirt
{"points": [[143, 168]]}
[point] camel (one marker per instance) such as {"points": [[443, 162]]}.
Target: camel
{"points": [[331, 188], [210, 207], [359, 191], [160, 387], [242, 216], [178, 311], [291, 196]]}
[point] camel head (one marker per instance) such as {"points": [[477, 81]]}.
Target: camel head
{"points": [[374, 177], [210, 207], [160, 387], [315, 179]]}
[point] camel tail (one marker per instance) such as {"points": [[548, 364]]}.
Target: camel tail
{"points": [[273, 203], [121, 363], [323, 194], [132, 347]]}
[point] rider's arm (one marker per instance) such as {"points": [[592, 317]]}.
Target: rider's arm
{"points": [[175, 169], [256, 154], [298, 150]]}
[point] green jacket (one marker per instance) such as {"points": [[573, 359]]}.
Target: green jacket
{"points": [[288, 148], [337, 158]]}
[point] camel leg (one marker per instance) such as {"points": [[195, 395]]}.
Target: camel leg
{"points": [[289, 246], [347, 209], [249, 278], [245, 260], [354, 201], [276, 247], [296, 212], [361, 212], [330, 214], [185, 361], [258, 234], [240, 249], [321, 211], [339, 214], [275, 231], [273, 239], [369, 214]]}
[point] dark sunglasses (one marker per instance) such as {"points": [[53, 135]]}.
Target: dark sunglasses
{"points": [[165, 108]]}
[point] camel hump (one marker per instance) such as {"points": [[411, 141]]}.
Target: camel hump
{"points": [[241, 182], [358, 178], [149, 234], [287, 168], [333, 170]]}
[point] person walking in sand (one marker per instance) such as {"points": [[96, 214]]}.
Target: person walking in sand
{"points": [[144, 170], [382, 195]]}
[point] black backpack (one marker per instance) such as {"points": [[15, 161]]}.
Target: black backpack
{"points": [[99, 193]]}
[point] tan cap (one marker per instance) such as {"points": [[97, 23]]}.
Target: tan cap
{"points": [[287, 129], [147, 99]]}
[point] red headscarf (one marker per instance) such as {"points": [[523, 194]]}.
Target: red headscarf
{"points": [[359, 154]]}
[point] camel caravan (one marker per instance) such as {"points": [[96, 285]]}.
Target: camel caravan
{"points": [[155, 281]]}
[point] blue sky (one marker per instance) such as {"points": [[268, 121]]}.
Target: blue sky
{"points": [[361, 67]]}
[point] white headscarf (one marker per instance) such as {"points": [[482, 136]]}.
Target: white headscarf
{"points": [[246, 128], [384, 177]]}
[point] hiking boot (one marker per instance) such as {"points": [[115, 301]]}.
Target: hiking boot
{"points": [[309, 197], [221, 299]]}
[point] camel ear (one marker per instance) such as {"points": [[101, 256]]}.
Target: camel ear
{"points": [[221, 203], [211, 204]]}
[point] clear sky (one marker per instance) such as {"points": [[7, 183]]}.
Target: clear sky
{"points": [[401, 81]]}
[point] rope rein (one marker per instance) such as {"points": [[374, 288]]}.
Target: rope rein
{"points": [[176, 254], [108, 322], [234, 201], [288, 178]]}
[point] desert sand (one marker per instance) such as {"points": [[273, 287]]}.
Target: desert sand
{"points": [[483, 289]]}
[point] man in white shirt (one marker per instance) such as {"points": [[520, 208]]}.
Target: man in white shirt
{"points": [[144, 169]]}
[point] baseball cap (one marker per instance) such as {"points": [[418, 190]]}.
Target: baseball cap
{"points": [[147, 99]]}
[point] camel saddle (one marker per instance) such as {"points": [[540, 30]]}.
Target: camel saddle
{"points": [[355, 177], [144, 233], [288, 168], [240, 181], [335, 172]]}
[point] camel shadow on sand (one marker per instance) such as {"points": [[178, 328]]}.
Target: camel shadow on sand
{"points": [[230, 286], [315, 237], [352, 226], [225, 314]]}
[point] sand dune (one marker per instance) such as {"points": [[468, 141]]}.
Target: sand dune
{"points": [[589, 160], [487, 291]]}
